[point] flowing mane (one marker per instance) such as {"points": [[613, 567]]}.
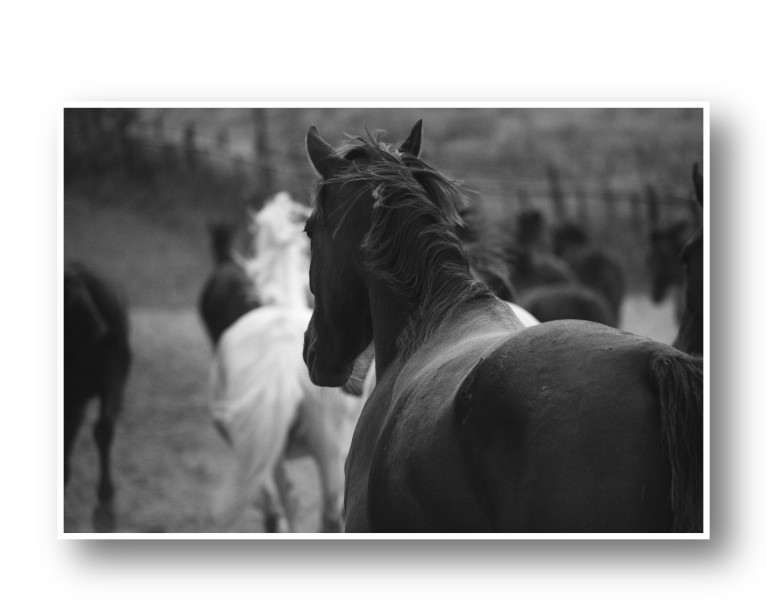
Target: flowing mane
{"points": [[412, 244]]}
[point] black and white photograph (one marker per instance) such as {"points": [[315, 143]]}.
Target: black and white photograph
{"points": [[446, 321]]}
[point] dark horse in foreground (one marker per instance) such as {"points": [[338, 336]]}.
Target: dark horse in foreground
{"points": [[97, 359], [228, 293], [478, 423]]}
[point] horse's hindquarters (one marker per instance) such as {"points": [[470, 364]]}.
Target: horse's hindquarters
{"points": [[563, 434], [555, 430]]}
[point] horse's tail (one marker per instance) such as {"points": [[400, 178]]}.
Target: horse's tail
{"points": [[678, 379]]}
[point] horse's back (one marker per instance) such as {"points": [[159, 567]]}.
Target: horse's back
{"points": [[417, 461], [407, 428]]}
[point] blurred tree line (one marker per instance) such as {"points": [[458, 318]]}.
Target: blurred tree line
{"points": [[97, 140]]}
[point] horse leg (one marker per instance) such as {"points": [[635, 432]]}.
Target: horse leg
{"points": [[103, 433], [330, 462], [270, 504], [74, 410], [284, 490]]}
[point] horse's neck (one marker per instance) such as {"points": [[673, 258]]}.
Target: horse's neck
{"points": [[390, 315]]}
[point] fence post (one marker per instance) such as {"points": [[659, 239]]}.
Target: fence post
{"points": [[608, 197], [653, 210], [583, 205], [555, 189], [636, 210], [190, 151], [261, 156]]}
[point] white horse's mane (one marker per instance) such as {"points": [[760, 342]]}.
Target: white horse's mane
{"points": [[280, 268]]}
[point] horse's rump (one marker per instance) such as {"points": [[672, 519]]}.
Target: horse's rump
{"points": [[553, 429], [256, 364], [600, 439]]}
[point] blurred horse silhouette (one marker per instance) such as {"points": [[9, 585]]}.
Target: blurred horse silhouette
{"points": [[594, 267], [665, 266], [262, 399], [553, 302], [97, 359], [476, 422], [532, 264], [228, 292], [690, 336], [546, 284]]}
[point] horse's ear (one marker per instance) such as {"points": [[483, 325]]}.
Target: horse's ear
{"points": [[323, 157], [697, 181], [412, 144]]}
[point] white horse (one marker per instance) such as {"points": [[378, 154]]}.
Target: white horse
{"points": [[262, 399]]}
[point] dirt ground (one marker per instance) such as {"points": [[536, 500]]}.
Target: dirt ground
{"points": [[168, 458]]}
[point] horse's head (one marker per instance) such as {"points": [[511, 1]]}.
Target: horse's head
{"points": [[341, 326], [663, 260], [568, 236], [692, 257], [221, 235], [279, 223], [530, 228]]}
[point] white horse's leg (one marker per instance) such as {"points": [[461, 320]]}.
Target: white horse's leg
{"points": [[272, 505], [283, 491], [326, 441]]}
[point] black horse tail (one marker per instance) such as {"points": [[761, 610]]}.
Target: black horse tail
{"points": [[678, 379]]}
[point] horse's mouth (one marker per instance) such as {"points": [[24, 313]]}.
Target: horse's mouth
{"points": [[321, 375]]}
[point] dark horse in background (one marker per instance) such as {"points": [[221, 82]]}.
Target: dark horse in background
{"points": [[547, 285], [665, 266], [594, 266], [478, 423], [228, 293], [97, 359], [690, 336]]}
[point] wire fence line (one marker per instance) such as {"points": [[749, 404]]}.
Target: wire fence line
{"points": [[594, 203]]}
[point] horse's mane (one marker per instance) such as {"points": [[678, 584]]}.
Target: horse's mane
{"points": [[412, 244]]}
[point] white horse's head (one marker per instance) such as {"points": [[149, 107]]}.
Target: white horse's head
{"points": [[280, 268]]}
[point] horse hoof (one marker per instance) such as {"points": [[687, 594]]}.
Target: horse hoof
{"points": [[272, 523], [332, 525], [104, 519]]}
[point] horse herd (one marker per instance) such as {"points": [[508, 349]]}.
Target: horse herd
{"points": [[441, 384]]}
